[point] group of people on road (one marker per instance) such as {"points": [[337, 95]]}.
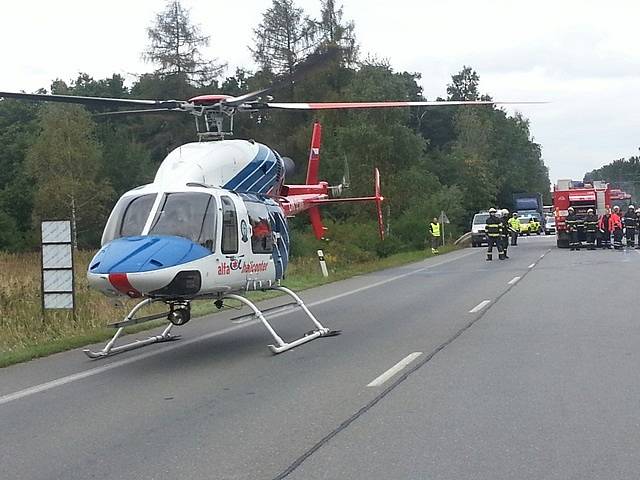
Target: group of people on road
{"points": [[600, 231], [499, 230]]}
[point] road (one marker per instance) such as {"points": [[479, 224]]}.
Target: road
{"points": [[517, 369]]}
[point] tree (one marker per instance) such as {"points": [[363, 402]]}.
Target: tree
{"points": [[175, 47], [464, 86], [65, 162], [285, 37], [333, 32]]}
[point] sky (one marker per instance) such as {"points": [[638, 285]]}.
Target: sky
{"points": [[581, 56]]}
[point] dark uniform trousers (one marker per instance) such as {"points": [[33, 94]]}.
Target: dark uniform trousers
{"points": [[591, 227]]}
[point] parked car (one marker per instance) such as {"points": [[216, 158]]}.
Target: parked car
{"points": [[550, 226]]}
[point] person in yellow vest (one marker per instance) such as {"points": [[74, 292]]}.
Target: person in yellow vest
{"points": [[514, 227], [434, 230]]}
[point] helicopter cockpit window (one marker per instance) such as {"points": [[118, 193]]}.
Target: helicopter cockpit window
{"points": [[229, 226], [135, 215], [188, 215], [261, 236]]}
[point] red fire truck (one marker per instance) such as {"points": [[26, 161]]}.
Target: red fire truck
{"points": [[581, 196]]}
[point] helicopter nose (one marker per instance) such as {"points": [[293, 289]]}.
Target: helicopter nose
{"points": [[119, 261]]}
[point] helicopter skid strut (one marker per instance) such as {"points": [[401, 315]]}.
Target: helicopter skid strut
{"points": [[129, 320], [281, 345]]}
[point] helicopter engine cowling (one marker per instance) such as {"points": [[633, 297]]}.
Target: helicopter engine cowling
{"points": [[238, 165]]}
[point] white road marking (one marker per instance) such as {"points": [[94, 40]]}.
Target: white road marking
{"points": [[532, 265], [395, 369], [42, 387], [480, 306], [513, 280]]}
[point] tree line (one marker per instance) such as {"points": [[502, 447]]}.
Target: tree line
{"points": [[56, 160]]}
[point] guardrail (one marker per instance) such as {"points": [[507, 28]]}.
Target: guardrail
{"points": [[464, 239]]}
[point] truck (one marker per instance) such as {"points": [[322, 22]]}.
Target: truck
{"points": [[581, 196], [528, 204]]}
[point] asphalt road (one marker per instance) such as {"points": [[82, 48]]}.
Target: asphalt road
{"points": [[520, 369]]}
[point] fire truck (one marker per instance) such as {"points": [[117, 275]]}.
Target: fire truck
{"points": [[581, 196]]}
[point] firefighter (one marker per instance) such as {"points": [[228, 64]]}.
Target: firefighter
{"points": [[514, 227], [572, 228], [617, 228], [591, 227], [630, 226], [434, 229], [505, 232], [493, 227], [605, 227]]}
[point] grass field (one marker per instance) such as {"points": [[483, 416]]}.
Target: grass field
{"points": [[26, 333]]}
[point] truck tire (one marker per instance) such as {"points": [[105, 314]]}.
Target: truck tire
{"points": [[562, 240]]}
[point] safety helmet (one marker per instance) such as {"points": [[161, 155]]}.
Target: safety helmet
{"points": [[590, 210], [616, 208], [515, 214], [492, 210], [631, 207], [505, 211], [570, 209]]}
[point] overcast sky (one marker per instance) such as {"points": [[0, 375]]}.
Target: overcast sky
{"points": [[582, 56]]}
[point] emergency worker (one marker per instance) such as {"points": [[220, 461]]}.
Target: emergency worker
{"points": [[616, 222], [605, 227], [572, 228], [514, 228], [493, 227], [591, 227], [630, 226], [434, 229], [505, 232]]}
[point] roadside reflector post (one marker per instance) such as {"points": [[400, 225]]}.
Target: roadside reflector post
{"points": [[57, 281], [323, 264]]}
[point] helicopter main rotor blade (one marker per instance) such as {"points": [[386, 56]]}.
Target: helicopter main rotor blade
{"points": [[139, 111], [349, 105], [92, 101]]}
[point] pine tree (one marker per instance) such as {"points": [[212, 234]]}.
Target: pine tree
{"points": [[285, 37], [175, 47]]}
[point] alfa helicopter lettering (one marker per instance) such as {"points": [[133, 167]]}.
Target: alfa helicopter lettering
{"points": [[212, 225]]}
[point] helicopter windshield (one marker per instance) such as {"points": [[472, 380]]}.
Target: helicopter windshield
{"points": [[188, 215], [135, 216]]}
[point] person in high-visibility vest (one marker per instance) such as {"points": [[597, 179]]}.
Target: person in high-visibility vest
{"points": [[434, 230], [514, 227]]}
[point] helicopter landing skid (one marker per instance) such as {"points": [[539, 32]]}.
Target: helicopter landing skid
{"points": [[129, 320], [281, 345]]}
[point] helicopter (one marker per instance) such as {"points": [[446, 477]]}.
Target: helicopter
{"points": [[213, 223]]}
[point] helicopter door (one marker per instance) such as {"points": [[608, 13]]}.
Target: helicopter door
{"points": [[281, 244]]}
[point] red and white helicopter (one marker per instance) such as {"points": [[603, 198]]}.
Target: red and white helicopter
{"points": [[213, 224]]}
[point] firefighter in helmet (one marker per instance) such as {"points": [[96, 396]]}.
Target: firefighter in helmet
{"points": [[590, 228], [630, 226], [505, 231], [617, 228], [572, 228], [605, 227], [493, 229]]}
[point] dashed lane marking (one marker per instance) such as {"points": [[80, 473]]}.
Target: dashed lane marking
{"points": [[480, 306], [513, 280], [395, 369]]}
